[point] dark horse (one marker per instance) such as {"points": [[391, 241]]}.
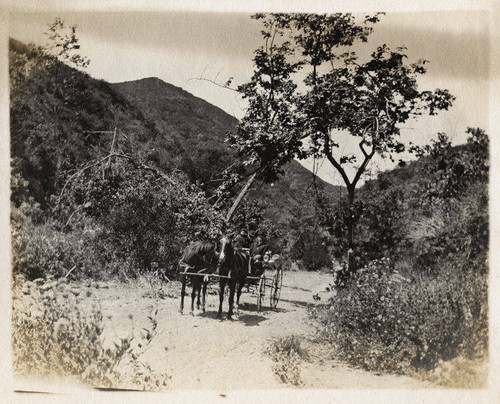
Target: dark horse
{"points": [[198, 257], [233, 266]]}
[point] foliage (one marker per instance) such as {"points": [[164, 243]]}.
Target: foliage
{"points": [[270, 133], [251, 218], [40, 249], [53, 335], [86, 203], [50, 123], [420, 297], [311, 248], [415, 207], [74, 207], [287, 354], [386, 322], [64, 44], [124, 223], [369, 100]]}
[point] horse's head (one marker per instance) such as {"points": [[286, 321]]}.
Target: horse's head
{"points": [[225, 249]]}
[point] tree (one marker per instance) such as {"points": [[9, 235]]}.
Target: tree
{"points": [[64, 44], [368, 100]]}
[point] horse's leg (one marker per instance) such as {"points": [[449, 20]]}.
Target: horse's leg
{"points": [[222, 285], [194, 282], [238, 295], [183, 291], [199, 293], [232, 285], [203, 296]]}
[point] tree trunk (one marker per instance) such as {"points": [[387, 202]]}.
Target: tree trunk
{"points": [[240, 197], [350, 230]]}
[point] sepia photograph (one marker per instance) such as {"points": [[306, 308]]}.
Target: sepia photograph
{"points": [[254, 199]]}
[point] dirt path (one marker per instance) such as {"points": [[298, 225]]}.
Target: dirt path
{"points": [[201, 352]]}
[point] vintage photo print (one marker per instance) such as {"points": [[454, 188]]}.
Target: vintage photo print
{"points": [[249, 201]]}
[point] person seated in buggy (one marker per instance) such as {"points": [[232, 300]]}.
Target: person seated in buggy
{"points": [[260, 256], [241, 242]]}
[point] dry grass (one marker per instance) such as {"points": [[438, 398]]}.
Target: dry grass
{"points": [[287, 354]]}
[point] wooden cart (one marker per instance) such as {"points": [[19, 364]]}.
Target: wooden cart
{"points": [[272, 279]]}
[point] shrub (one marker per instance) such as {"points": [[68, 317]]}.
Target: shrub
{"points": [[311, 249], [384, 321], [53, 335], [40, 249], [287, 354]]}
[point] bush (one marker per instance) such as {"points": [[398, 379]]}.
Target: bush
{"points": [[457, 230], [145, 220], [424, 307], [384, 321], [311, 249], [40, 248], [119, 225], [287, 354], [53, 335]]}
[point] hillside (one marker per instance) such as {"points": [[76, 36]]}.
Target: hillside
{"points": [[198, 128], [55, 129]]}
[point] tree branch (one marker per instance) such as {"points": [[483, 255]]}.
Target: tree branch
{"points": [[333, 162], [240, 197], [70, 217], [368, 156], [219, 199], [111, 149], [100, 161], [214, 82], [76, 175]]}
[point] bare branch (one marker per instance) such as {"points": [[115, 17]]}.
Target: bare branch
{"points": [[111, 150], [146, 167], [240, 197], [214, 82], [100, 161], [76, 175], [126, 138], [70, 217]]}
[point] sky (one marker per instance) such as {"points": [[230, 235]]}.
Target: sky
{"points": [[182, 47]]}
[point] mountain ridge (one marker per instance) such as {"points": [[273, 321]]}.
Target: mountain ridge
{"points": [[196, 124], [57, 128]]}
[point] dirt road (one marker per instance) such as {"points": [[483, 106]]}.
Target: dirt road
{"points": [[202, 352]]}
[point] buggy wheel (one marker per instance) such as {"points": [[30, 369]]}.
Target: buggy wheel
{"points": [[274, 295], [261, 290]]}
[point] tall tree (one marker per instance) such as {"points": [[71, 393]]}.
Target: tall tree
{"points": [[368, 100]]}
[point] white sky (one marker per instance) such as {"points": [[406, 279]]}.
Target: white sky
{"points": [[179, 47]]}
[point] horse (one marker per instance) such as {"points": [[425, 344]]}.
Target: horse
{"points": [[198, 257], [233, 266]]}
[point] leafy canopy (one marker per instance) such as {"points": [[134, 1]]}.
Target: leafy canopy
{"points": [[307, 84]]}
